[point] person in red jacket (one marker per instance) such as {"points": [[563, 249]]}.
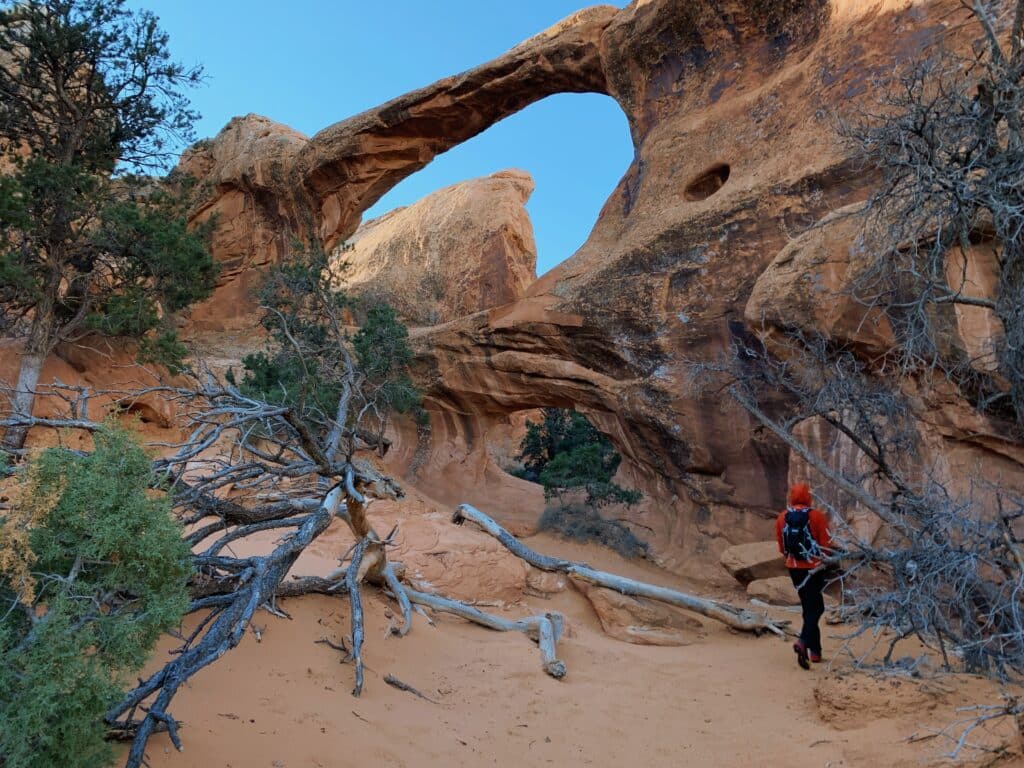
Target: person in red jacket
{"points": [[803, 537]]}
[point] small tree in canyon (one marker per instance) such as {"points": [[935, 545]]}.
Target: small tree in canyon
{"points": [[90, 99], [331, 379], [567, 455], [93, 568]]}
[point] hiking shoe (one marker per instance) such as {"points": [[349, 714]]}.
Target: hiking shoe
{"points": [[815, 657], [801, 655]]}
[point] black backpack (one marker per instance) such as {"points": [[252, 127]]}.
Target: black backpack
{"points": [[797, 540]]}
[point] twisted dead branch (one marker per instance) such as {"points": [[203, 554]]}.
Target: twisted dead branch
{"points": [[737, 618], [257, 583], [352, 584]]}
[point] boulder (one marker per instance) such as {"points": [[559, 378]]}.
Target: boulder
{"points": [[640, 621], [757, 560], [778, 590], [545, 583], [457, 561]]}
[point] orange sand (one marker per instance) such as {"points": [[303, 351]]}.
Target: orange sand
{"points": [[728, 700]]}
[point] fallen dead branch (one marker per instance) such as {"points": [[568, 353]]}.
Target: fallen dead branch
{"points": [[399, 593], [737, 618], [352, 583], [258, 581], [545, 629]]}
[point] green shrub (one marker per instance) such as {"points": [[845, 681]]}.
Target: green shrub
{"points": [[93, 568], [584, 523], [566, 454], [312, 360]]}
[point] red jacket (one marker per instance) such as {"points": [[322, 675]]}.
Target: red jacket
{"points": [[819, 530]]}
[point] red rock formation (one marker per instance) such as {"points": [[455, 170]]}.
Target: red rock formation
{"points": [[94, 365], [459, 250], [268, 184], [731, 108], [243, 174], [640, 621]]}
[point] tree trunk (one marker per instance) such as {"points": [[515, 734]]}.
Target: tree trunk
{"points": [[24, 396]]}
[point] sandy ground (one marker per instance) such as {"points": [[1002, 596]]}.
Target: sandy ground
{"points": [[726, 700]]}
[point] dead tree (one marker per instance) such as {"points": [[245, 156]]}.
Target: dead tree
{"points": [[742, 619], [946, 141], [946, 567], [248, 466]]}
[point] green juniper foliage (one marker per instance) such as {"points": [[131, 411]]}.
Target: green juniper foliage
{"points": [[565, 453], [90, 100], [313, 362], [93, 568], [383, 354]]}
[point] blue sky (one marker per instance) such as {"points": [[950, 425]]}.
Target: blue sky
{"points": [[309, 63]]}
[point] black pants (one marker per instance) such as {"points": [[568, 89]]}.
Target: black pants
{"points": [[813, 603]]}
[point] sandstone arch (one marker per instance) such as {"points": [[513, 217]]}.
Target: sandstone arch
{"points": [[662, 279], [347, 167]]}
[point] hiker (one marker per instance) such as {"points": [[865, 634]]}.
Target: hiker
{"points": [[803, 537]]}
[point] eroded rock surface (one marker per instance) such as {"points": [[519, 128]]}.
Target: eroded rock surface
{"points": [[640, 621], [462, 249], [271, 185], [731, 108]]}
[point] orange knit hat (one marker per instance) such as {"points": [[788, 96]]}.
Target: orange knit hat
{"points": [[800, 495]]}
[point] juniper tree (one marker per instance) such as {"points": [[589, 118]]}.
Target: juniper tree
{"points": [[565, 453], [92, 569], [336, 380], [90, 101]]}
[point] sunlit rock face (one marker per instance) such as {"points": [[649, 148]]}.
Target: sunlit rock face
{"points": [[732, 109], [241, 177], [461, 249], [269, 186]]}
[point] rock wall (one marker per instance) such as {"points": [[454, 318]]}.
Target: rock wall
{"points": [[242, 176], [731, 106], [457, 251], [95, 378]]}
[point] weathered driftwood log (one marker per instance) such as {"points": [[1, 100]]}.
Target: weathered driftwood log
{"points": [[352, 583], [401, 596], [546, 628], [738, 618]]}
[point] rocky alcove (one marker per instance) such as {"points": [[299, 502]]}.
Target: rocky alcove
{"points": [[708, 183]]}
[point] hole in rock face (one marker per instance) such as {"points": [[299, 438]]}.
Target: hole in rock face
{"points": [[709, 182], [147, 414]]}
